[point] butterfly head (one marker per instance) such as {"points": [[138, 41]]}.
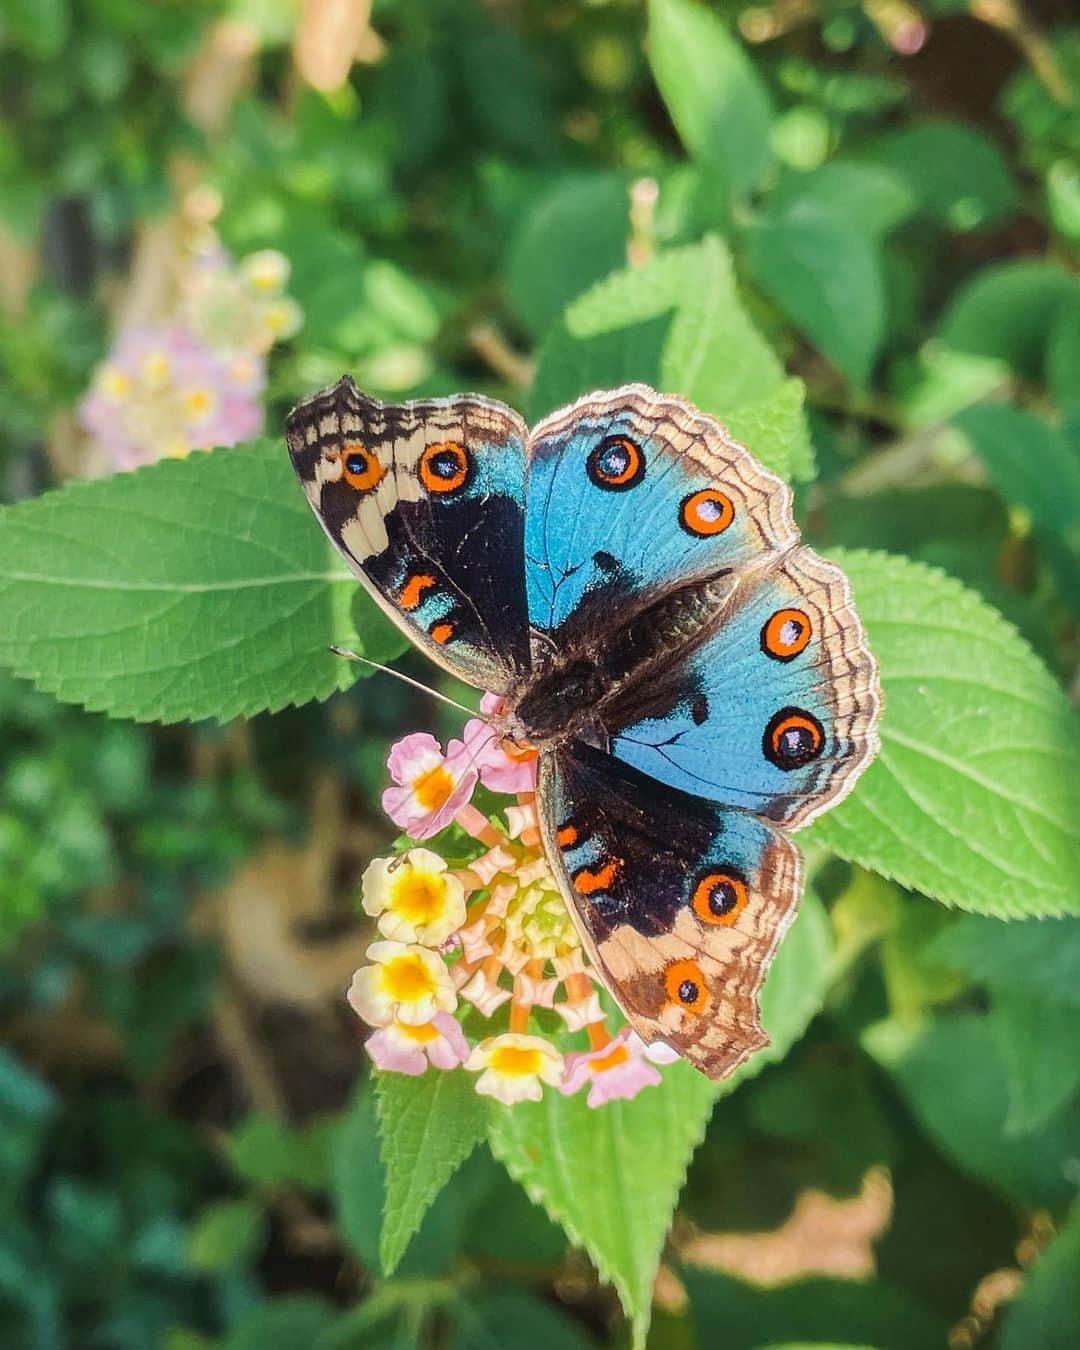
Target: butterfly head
{"points": [[555, 704]]}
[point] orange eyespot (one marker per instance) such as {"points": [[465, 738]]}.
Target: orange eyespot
{"points": [[445, 467], [588, 880], [785, 634], [685, 985], [616, 464], [361, 467], [442, 632], [720, 897], [413, 590], [793, 738], [709, 511], [567, 836]]}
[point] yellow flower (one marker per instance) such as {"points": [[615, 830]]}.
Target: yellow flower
{"points": [[114, 383], [200, 402], [266, 271], [513, 1066], [415, 897], [406, 983], [156, 369]]}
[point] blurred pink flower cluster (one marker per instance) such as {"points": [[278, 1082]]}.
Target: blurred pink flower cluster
{"points": [[197, 380], [487, 940]]}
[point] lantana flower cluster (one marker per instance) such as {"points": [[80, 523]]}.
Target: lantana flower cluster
{"points": [[196, 380], [478, 966]]}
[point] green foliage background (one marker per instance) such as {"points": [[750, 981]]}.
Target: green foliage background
{"points": [[865, 264]]}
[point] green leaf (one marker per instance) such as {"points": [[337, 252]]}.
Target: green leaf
{"points": [[678, 324], [1063, 356], [1032, 465], [268, 1152], [953, 173], [952, 1078], [574, 234], [776, 429], [1008, 311], [826, 276], [812, 1311], [359, 1186], [1047, 1312], [360, 1189], [974, 798], [186, 590], [428, 1126], [282, 1323], [513, 1321], [585, 1166], [1040, 959], [720, 107], [871, 198], [1039, 1044], [227, 1235]]}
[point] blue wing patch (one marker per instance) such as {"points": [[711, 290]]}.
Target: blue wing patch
{"points": [[775, 713], [630, 492]]}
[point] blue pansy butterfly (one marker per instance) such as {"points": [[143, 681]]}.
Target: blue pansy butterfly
{"points": [[630, 581]]}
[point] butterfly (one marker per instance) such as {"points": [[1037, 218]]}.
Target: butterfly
{"points": [[630, 581]]}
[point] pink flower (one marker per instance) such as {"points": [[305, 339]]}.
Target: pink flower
{"points": [[400, 1048], [617, 1069], [502, 767], [431, 787], [162, 393]]}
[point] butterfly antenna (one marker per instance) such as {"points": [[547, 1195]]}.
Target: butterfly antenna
{"points": [[408, 679]]}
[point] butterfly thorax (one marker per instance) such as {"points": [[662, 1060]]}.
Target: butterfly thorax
{"points": [[595, 679]]}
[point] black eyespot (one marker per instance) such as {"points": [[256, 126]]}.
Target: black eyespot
{"points": [[722, 898], [605, 561], [355, 463], [688, 992], [793, 738], [699, 709]]}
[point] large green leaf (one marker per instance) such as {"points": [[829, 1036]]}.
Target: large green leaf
{"points": [[974, 798], [1038, 959], [732, 1315], [718, 102], [952, 1078], [513, 1321], [1008, 311], [954, 174], [1039, 1044], [871, 198], [428, 1126], [825, 274], [585, 1166], [678, 324], [571, 236], [1033, 465], [186, 590]]}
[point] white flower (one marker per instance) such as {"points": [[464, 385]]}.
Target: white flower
{"points": [[406, 983], [513, 1066], [415, 897]]}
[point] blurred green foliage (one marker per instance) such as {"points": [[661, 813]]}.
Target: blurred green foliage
{"points": [[866, 262]]}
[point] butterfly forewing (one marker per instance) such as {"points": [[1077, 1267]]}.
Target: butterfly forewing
{"points": [[425, 500]]}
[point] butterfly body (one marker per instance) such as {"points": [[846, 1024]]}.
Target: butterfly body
{"points": [[631, 583]]}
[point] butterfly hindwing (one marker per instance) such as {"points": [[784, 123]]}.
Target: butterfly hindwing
{"points": [[682, 904], [425, 502], [633, 492], [775, 712]]}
